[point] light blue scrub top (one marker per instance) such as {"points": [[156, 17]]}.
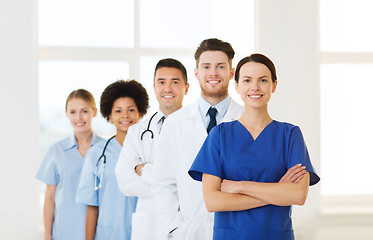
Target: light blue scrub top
{"points": [[115, 210], [230, 152], [62, 166]]}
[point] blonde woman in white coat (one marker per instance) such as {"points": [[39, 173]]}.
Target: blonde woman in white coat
{"points": [[135, 163]]}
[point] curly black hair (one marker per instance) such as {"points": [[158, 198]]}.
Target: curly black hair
{"points": [[119, 89]]}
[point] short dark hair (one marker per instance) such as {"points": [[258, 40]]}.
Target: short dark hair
{"points": [[214, 44], [258, 58], [119, 89], [172, 63], [82, 94]]}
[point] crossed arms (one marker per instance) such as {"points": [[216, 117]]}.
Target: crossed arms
{"points": [[225, 195]]}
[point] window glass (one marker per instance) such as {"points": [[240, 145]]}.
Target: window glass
{"points": [[184, 24], [344, 25], [346, 129], [88, 23], [174, 24]]}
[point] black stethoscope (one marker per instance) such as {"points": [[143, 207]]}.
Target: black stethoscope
{"points": [[148, 128], [103, 165], [104, 156]]}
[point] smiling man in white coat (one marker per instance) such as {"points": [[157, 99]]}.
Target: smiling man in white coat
{"points": [[181, 212], [135, 163]]}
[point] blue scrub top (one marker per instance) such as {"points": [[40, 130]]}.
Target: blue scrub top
{"points": [[62, 166], [230, 152], [115, 210]]}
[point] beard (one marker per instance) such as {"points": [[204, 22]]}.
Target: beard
{"points": [[218, 92]]}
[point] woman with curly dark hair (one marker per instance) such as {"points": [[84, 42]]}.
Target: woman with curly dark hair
{"points": [[109, 213]]}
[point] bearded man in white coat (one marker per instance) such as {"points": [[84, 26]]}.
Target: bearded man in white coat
{"points": [[180, 209], [135, 163]]}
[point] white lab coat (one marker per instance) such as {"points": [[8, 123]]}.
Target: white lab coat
{"points": [[136, 151], [179, 199]]}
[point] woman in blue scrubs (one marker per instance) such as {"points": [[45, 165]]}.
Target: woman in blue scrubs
{"points": [[109, 214], [241, 163], [61, 168]]}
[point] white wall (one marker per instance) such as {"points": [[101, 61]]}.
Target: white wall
{"points": [[19, 128], [287, 32]]}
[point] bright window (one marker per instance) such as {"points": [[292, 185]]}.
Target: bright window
{"points": [[346, 128], [90, 44], [85, 23], [345, 90], [173, 24], [345, 25]]}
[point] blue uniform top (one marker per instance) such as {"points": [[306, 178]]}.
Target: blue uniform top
{"points": [[62, 166], [115, 210], [230, 152]]}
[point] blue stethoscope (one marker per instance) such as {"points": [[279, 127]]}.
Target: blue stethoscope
{"points": [[103, 156]]}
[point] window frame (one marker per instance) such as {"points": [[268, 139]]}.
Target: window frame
{"points": [[341, 205]]}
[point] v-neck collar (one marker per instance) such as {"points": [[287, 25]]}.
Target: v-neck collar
{"points": [[260, 134], [117, 143]]}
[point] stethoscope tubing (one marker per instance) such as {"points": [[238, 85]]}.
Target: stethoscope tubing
{"points": [[103, 164], [107, 143], [148, 128]]}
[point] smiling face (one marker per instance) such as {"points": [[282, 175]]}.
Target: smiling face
{"points": [[170, 88], [80, 113], [255, 85], [124, 114], [213, 73]]}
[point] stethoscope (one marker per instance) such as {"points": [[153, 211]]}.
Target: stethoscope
{"points": [[148, 128], [104, 156], [103, 165]]}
